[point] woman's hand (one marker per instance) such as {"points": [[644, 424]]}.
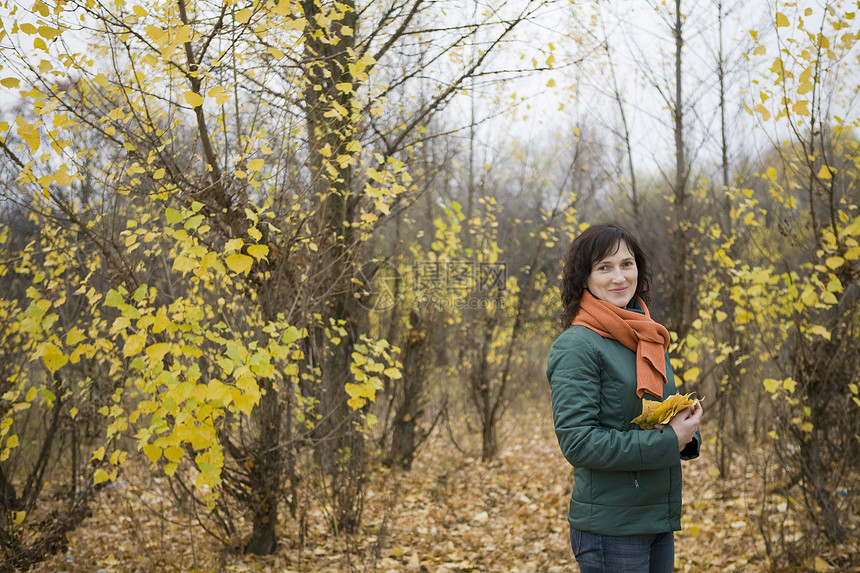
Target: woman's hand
{"points": [[685, 423]]}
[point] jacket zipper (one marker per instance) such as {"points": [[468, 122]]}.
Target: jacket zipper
{"points": [[636, 479]]}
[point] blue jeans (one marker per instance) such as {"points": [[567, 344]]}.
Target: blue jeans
{"points": [[625, 554]]}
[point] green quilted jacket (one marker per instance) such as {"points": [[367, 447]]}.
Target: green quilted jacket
{"points": [[627, 481]]}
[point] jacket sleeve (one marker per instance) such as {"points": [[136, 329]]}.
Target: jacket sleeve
{"points": [[573, 371], [691, 450]]}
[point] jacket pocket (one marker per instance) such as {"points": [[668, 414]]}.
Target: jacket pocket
{"points": [[654, 486], [617, 489]]}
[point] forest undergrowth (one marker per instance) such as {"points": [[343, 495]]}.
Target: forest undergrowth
{"points": [[451, 513]]}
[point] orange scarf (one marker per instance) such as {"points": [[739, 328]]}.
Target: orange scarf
{"points": [[648, 339]]}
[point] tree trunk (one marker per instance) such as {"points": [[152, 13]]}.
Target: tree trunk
{"points": [[405, 439], [265, 475], [489, 441], [726, 432], [680, 249], [339, 443]]}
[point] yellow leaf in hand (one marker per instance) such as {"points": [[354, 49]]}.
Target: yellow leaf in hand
{"points": [[654, 412]]}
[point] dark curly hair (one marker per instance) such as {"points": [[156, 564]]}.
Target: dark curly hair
{"points": [[590, 247]]}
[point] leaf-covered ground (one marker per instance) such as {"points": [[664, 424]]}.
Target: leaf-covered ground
{"points": [[449, 514]]}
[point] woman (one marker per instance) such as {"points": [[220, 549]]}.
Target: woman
{"points": [[626, 500]]}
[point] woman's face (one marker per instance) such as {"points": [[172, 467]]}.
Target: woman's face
{"points": [[614, 277]]}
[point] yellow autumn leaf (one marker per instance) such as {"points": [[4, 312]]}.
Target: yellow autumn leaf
{"points": [[183, 264], [152, 452], [781, 20], [157, 351], [134, 344], [100, 476], [801, 107], [244, 402], [239, 264], [834, 262], [48, 32], [10, 83], [359, 390], [393, 373], [258, 251], [234, 245], [826, 172], [691, 375], [194, 99], [765, 114], [28, 133], [155, 33], [182, 34], [174, 453], [654, 412], [220, 96], [819, 330], [54, 357]]}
